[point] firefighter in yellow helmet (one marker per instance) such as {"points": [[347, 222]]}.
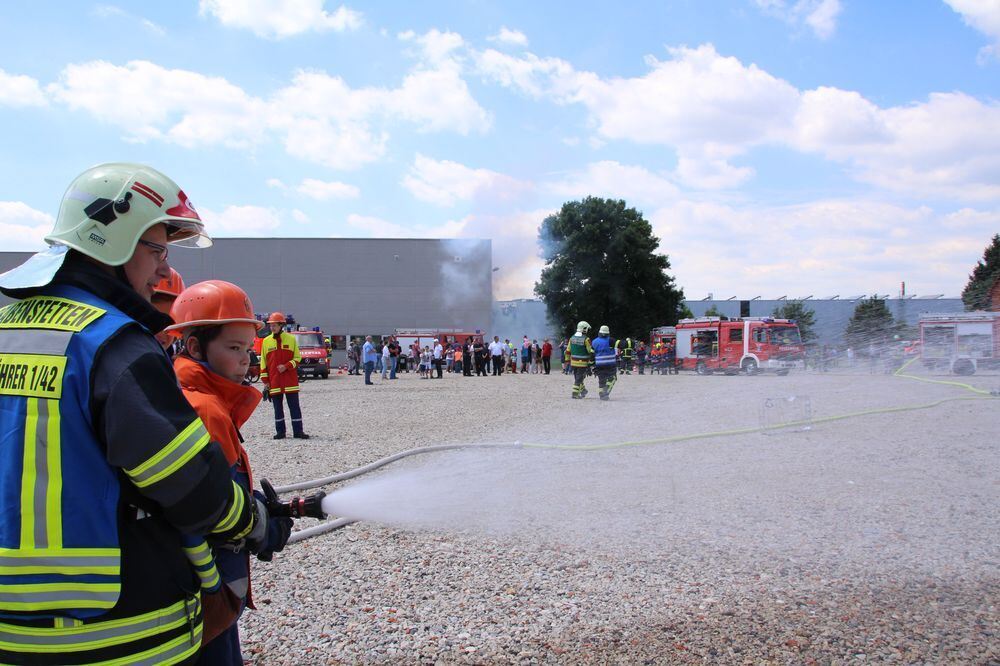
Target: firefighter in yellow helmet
{"points": [[104, 464]]}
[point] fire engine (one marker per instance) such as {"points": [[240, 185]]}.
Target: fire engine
{"points": [[428, 336], [962, 342], [312, 348], [662, 334], [749, 344]]}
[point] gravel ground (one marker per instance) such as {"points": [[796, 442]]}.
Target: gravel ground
{"points": [[867, 539]]}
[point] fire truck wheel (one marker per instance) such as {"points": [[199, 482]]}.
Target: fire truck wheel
{"points": [[326, 375], [963, 366], [702, 369], [750, 367]]}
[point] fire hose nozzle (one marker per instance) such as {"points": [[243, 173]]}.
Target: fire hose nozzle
{"points": [[297, 507]]}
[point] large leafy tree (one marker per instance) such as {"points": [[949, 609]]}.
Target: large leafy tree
{"points": [[803, 316], [871, 324], [976, 294], [602, 265]]}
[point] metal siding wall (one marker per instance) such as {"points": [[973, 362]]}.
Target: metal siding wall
{"points": [[348, 286]]}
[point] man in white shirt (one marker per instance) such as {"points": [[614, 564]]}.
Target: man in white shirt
{"points": [[438, 358], [386, 360], [496, 352]]}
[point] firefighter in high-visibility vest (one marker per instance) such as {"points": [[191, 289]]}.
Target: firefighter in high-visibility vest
{"points": [[104, 465], [627, 355], [279, 360], [581, 357], [605, 365]]}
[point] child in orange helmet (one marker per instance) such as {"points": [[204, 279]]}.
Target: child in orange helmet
{"points": [[216, 322]]}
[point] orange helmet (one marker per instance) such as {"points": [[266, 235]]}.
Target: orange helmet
{"points": [[276, 318], [211, 303], [170, 286]]}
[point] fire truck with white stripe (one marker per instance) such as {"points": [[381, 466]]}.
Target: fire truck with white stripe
{"points": [[963, 342], [749, 344]]}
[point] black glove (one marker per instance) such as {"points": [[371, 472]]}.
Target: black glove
{"points": [[266, 393], [279, 527]]}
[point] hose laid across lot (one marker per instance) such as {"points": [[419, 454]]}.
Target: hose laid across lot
{"points": [[330, 526]]}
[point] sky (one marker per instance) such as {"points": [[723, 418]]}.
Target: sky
{"points": [[777, 147]]}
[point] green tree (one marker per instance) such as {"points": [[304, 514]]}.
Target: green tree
{"points": [[602, 266], [683, 311], [977, 291], [871, 323], [803, 316], [712, 311]]}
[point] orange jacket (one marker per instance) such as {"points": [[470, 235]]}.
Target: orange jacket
{"points": [[222, 404], [274, 352]]}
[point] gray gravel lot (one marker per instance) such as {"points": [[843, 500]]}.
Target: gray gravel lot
{"points": [[867, 539]]}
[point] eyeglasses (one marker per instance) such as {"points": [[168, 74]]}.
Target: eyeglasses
{"points": [[159, 251]]}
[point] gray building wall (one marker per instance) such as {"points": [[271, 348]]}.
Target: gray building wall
{"points": [[348, 286], [832, 315]]}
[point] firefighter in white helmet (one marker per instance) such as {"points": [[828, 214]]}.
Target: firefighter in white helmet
{"points": [[580, 358], [605, 362], [104, 464]]}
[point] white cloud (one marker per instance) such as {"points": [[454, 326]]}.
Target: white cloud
{"points": [[614, 180], [300, 217], [444, 182], [984, 16], [277, 19], [318, 117], [376, 227], [241, 220], [20, 90], [508, 36], [112, 11], [22, 227], [859, 245], [712, 110], [819, 15], [436, 47], [325, 190]]}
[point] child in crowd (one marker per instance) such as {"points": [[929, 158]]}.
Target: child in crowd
{"points": [[216, 323], [425, 363]]}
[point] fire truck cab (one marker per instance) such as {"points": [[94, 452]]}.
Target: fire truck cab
{"points": [[750, 345], [962, 342]]}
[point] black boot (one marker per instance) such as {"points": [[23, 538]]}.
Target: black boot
{"points": [[300, 435], [280, 435]]}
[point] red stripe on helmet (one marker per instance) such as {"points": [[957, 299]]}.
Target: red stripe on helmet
{"points": [[148, 193]]}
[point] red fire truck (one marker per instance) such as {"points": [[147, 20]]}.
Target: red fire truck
{"points": [[749, 344], [428, 336], [662, 334], [960, 341]]}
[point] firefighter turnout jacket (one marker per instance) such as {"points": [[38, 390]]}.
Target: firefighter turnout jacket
{"points": [[580, 351], [277, 349], [103, 467], [604, 353]]}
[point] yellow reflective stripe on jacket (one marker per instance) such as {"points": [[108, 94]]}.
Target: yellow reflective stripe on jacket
{"points": [[50, 312], [235, 511], [201, 558], [181, 648], [171, 457], [63, 561], [77, 637], [41, 476], [56, 596]]}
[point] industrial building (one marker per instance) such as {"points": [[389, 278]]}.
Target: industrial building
{"points": [[349, 287]]}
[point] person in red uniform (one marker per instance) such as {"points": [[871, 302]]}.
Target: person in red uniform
{"points": [[279, 358]]}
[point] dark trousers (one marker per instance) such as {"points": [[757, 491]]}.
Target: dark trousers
{"points": [[480, 366], [579, 374], [497, 365], [437, 367], [279, 412], [546, 364], [223, 650], [369, 369], [606, 378]]}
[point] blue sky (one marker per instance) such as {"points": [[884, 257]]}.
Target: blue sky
{"points": [[799, 147]]}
